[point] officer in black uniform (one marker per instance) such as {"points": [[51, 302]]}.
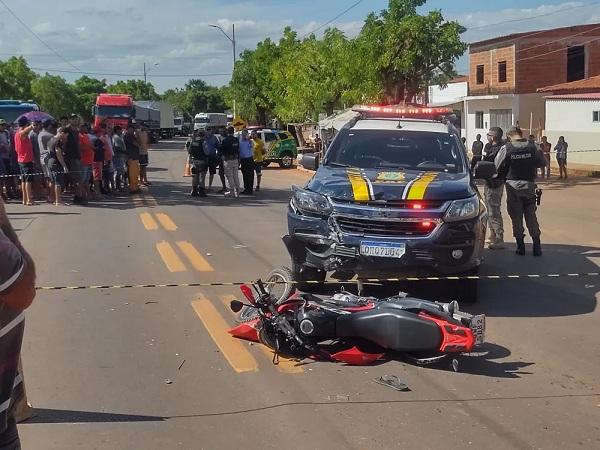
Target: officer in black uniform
{"points": [[517, 162], [199, 161]]}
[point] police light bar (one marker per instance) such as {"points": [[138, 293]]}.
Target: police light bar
{"points": [[402, 112]]}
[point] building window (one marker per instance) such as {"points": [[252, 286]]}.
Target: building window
{"points": [[595, 116], [502, 72], [480, 74], [501, 118], [479, 120], [575, 63]]}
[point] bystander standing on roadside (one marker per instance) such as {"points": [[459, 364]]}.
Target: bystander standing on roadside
{"points": [[476, 151], [247, 163], [5, 168], [144, 144], [56, 164], [546, 147], [72, 154], [25, 157], [259, 152], [199, 161], [44, 137], [108, 171], [17, 291], [38, 179], [133, 158], [561, 156], [120, 158], [230, 148], [87, 159]]}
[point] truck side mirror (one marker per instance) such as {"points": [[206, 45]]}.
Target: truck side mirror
{"points": [[484, 170]]}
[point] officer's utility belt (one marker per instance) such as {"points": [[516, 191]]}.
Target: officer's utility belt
{"points": [[199, 165]]}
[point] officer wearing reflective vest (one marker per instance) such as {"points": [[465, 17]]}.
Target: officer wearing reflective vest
{"points": [[198, 158], [517, 162]]}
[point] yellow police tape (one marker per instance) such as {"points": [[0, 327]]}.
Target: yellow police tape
{"points": [[364, 280]]}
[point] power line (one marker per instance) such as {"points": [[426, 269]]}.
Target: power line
{"points": [[136, 75], [555, 51], [332, 20], [560, 39], [12, 13], [569, 8]]}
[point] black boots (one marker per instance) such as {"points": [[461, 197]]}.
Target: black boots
{"points": [[537, 247], [194, 192], [520, 246]]}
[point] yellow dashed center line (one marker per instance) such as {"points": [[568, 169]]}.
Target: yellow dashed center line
{"points": [[169, 257], [149, 222], [194, 256], [235, 351], [166, 222], [285, 365]]}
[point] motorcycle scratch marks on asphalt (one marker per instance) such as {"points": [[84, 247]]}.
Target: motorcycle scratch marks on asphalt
{"points": [[285, 365], [235, 352]]}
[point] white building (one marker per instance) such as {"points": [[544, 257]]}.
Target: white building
{"points": [[451, 96]]}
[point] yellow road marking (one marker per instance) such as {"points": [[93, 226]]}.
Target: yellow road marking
{"points": [[285, 365], [194, 256], [235, 351], [169, 257], [149, 222], [417, 190], [166, 222]]}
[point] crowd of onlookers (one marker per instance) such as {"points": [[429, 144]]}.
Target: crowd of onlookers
{"points": [[545, 147], [52, 157]]}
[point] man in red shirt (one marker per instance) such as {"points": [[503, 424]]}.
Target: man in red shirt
{"points": [[25, 158], [87, 158]]}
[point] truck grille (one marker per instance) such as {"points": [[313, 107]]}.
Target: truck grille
{"points": [[378, 227]]}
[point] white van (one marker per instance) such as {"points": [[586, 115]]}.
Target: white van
{"points": [[202, 121]]}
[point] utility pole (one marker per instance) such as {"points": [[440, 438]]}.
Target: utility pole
{"points": [[145, 80], [232, 40]]}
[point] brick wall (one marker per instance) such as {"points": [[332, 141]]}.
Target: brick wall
{"points": [[534, 60], [490, 59]]}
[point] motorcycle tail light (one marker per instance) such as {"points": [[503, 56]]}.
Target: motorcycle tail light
{"points": [[247, 291]]}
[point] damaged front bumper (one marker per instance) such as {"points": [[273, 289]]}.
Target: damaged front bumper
{"points": [[320, 242]]}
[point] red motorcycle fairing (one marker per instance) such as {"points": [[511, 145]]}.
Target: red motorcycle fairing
{"points": [[246, 330], [356, 357], [455, 338], [366, 307]]}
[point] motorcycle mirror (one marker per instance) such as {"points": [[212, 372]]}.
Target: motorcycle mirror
{"points": [[236, 306]]}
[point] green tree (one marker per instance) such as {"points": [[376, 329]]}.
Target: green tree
{"points": [[404, 52], [15, 79], [86, 90], [196, 96], [54, 95], [138, 89]]}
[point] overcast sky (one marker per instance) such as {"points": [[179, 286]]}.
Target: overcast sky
{"points": [[117, 36]]}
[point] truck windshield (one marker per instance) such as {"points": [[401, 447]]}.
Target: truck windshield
{"points": [[413, 150], [118, 112], [201, 120]]}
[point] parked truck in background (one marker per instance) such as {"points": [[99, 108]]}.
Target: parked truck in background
{"points": [[167, 119], [203, 121], [148, 115], [10, 110], [178, 125], [120, 109]]}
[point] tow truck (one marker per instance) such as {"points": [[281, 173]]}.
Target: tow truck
{"points": [[394, 197]]}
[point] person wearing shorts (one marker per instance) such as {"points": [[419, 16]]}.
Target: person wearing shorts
{"points": [[144, 144], [72, 153], [56, 163], [259, 153], [25, 159]]}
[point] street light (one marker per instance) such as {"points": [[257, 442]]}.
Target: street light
{"points": [[145, 80], [232, 40]]}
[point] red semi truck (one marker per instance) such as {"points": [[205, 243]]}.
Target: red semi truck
{"points": [[119, 109]]}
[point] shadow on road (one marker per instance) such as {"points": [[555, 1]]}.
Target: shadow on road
{"points": [[43, 415]]}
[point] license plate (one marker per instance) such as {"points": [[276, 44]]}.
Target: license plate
{"points": [[382, 249], [478, 327]]}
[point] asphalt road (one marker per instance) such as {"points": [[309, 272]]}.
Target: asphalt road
{"points": [[153, 369]]}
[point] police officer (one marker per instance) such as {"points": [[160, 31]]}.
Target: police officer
{"points": [[494, 190], [518, 161], [199, 161]]}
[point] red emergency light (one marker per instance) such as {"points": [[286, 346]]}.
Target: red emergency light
{"points": [[402, 112]]}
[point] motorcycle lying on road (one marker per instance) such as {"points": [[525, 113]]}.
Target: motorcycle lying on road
{"points": [[357, 330]]}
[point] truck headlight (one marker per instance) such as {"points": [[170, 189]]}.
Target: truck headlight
{"points": [[310, 201], [465, 209]]}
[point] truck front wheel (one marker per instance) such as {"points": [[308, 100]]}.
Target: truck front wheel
{"points": [[287, 160]]}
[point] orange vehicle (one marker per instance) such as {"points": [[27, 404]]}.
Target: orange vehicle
{"points": [[114, 109]]}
